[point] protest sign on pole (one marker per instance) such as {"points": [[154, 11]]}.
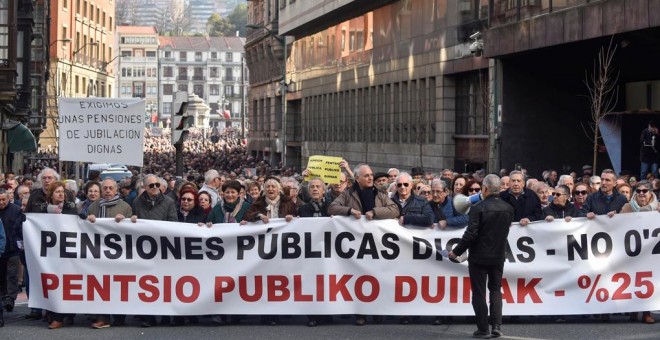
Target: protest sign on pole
{"points": [[334, 265], [324, 167], [101, 130]]}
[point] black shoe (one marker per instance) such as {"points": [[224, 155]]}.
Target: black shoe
{"points": [[496, 332], [378, 319], [68, 320], [2, 322], [360, 321], [33, 315], [404, 320], [311, 323], [9, 306], [437, 321], [481, 334], [146, 324]]}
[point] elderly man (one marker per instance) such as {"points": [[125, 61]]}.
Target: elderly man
{"points": [[413, 210], [506, 184], [362, 199], [12, 219], [594, 182], [153, 205], [318, 205], [212, 182], [525, 202], [486, 237], [109, 205], [568, 181], [23, 193], [291, 187], [391, 174], [443, 206], [336, 189], [381, 181]]}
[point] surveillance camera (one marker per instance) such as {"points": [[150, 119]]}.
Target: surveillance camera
{"points": [[476, 48], [475, 36]]}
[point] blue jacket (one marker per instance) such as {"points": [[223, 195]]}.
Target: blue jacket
{"points": [[598, 203], [416, 211], [454, 219], [3, 240]]}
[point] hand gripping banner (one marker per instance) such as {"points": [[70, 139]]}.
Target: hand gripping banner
{"points": [[334, 265]]}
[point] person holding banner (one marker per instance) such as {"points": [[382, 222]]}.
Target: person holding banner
{"points": [[57, 204], [363, 199], [642, 200], [318, 205], [273, 204], [486, 238], [231, 209], [92, 193], [560, 207]]}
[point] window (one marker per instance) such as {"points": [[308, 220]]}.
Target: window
{"points": [[84, 13], [182, 87], [214, 72], [183, 71], [167, 108], [64, 34], [471, 118], [138, 90], [199, 90], [229, 56], [229, 73], [168, 54], [198, 56], [214, 55], [167, 71], [78, 6], [214, 90], [65, 4], [152, 89], [229, 90], [168, 89], [76, 85], [183, 56], [151, 54], [4, 32]]}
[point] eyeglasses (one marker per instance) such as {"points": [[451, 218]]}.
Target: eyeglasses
{"points": [[108, 188], [425, 193], [557, 194], [187, 199], [474, 189], [418, 188], [154, 185], [582, 192], [398, 185], [642, 191], [437, 192], [595, 183]]}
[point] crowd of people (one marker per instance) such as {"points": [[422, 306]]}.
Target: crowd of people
{"points": [[419, 198]]}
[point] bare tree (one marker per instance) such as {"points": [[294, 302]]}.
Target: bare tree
{"points": [[125, 11], [178, 18], [603, 91]]}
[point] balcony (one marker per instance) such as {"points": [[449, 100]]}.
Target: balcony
{"points": [[182, 78], [199, 78], [231, 79]]}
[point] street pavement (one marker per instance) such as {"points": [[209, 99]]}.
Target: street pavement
{"points": [[294, 327]]}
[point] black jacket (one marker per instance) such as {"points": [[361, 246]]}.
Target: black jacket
{"points": [[196, 215], [556, 211], [528, 204], [487, 231], [416, 211], [12, 219], [598, 203], [307, 210]]}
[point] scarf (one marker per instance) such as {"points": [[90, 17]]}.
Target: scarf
{"points": [[272, 207], [367, 197], [231, 210], [653, 204], [317, 206], [103, 204], [85, 206]]}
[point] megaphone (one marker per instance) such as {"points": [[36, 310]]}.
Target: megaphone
{"points": [[462, 203]]}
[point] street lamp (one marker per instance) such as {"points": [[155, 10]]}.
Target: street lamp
{"points": [[282, 40], [73, 57]]}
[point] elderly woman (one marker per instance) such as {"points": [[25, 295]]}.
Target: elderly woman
{"points": [[253, 191], [232, 208], [273, 204], [642, 200], [580, 193], [458, 185], [204, 201], [189, 211], [56, 204], [625, 189], [472, 187], [560, 207], [92, 192]]}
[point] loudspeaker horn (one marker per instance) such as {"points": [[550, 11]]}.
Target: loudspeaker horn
{"points": [[462, 203]]}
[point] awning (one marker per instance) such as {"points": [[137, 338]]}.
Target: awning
{"points": [[20, 138]]}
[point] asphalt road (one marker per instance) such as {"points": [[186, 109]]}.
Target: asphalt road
{"points": [[294, 327]]}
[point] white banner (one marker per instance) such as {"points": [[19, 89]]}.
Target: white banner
{"points": [[333, 266], [101, 130]]}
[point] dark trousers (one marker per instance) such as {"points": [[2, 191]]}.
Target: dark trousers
{"points": [[9, 279], [479, 275]]}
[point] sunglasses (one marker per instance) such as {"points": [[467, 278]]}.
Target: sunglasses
{"points": [[186, 199], [154, 185], [557, 194], [581, 192], [642, 191], [474, 189], [418, 188], [425, 193], [398, 185]]}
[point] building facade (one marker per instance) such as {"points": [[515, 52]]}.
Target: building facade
{"points": [[81, 48], [462, 84], [137, 67], [209, 67]]}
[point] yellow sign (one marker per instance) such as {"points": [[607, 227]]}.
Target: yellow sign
{"points": [[324, 167]]}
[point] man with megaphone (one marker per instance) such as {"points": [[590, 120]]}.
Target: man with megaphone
{"points": [[486, 238]]}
